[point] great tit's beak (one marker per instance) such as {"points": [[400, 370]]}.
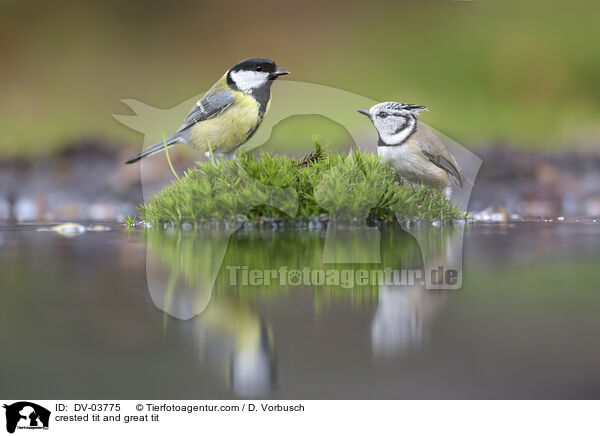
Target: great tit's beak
{"points": [[278, 72], [364, 112]]}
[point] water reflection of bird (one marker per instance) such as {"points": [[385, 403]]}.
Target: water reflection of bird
{"points": [[232, 338], [403, 318], [405, 314]]}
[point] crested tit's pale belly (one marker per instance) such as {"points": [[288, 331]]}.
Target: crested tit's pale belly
{"points": [[410, 163]]}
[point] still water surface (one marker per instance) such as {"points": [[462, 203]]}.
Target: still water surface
{"points": [[80, 318]]}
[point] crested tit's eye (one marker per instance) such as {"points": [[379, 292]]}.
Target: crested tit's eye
{"points": [[258, 68], [382, 114]]}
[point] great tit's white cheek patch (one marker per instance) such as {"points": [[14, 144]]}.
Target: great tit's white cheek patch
{"points": [[248, 80]]}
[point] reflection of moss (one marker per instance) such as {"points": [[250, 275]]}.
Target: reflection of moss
{"points": [[345, 186], [194, 256]]}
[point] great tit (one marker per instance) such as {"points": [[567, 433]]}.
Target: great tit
{"points": [[229, 113], [410, 148]]}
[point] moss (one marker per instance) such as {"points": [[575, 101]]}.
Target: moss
{"points": [[129, 222], [344, 186]]}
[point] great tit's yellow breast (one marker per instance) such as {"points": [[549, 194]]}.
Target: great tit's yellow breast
{"points": [[229, 130]]}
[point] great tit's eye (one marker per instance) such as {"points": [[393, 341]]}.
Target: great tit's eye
{"points": [[382, 114], [258, 68]]}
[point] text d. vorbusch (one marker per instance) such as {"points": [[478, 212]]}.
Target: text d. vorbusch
{"points": [[277, 408]]}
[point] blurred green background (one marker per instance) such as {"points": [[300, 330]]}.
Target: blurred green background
{"points": [[522, 72]]}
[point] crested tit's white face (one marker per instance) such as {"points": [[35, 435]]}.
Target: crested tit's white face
{"points": [[247, 80], [395, 122], [394, 126]]}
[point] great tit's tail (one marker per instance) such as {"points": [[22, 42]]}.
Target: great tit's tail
{"points": [[156, 148]]}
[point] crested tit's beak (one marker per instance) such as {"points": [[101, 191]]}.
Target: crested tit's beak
{"points": [[364, 112], [278, 72]]}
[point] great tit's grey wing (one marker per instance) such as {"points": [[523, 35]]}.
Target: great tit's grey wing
{"points": [[208, 107], [213, 104], [435, 151]]}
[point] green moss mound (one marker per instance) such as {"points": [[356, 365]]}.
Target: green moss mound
{"points": [[343, 186]]}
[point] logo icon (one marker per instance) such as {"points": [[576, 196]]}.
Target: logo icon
{"points": [[26, 415]]}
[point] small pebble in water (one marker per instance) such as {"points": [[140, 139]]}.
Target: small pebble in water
{"points": [[561, 218], [489, 214], [68, 230]]}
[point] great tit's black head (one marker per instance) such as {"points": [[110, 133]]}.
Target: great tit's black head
{"points": [[253, 73], [394, 121]]}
